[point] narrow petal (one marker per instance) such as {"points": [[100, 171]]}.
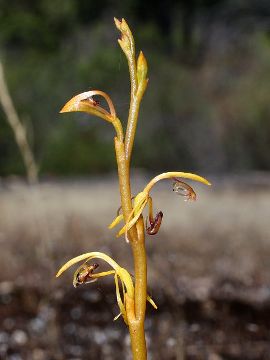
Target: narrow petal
{"points": [[125, 276], [140, 202], [132, 220], [149, 299], [117, 317], [173, 174], [88, 256], [116, 221], [119, 299], [103, 273]]}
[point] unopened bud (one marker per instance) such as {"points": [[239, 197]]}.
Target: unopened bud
{"points": [[141, 68], [126, 42]]}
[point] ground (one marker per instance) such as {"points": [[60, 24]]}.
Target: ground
{"points": [[208, 271]]}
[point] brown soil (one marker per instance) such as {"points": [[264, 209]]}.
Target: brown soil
{"points": [[209, 273]]}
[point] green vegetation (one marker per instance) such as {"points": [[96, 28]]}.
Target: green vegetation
{"points": [[209, 82]]}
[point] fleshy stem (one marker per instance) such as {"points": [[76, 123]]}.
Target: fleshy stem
{"points": [[137, 87], [135, 101], [135, 309], [133, 108]]}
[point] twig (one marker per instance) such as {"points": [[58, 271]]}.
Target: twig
{"points": [[18, 129]]}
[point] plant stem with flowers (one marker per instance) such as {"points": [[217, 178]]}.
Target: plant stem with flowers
{"points": [[131, 295]]}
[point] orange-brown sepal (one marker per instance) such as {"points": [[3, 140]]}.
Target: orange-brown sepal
{"points": [[86, 103]]}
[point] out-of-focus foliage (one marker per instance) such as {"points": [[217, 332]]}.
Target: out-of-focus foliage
{"points": [[207, 105]]}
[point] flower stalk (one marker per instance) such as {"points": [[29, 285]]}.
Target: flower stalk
{"points": [[131, 295]]}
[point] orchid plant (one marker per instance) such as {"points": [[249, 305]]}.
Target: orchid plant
{"points": [[131, 294]]}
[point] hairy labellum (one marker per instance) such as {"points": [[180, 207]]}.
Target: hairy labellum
{"points": [[183, 189]]}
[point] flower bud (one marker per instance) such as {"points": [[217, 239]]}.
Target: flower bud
{"points": [[141, 75], [141, 68], [126, 42]]}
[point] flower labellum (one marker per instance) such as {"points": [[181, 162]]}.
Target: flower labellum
{"points": [[155, 224], [84, 274], [183, 189]]}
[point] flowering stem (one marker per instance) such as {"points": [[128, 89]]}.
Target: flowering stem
{"points": [[132, 121], [118, 128], [136, 309], [132, 303], [124, 179], [140, 264]]}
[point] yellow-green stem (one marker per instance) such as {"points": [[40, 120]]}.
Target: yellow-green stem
{"points": [[118, 128], [135, 101], [136, 325], [136, 331], [134, 106], [131, 125], [124, 178], [138, 343], [140, 265], [135, 309]]}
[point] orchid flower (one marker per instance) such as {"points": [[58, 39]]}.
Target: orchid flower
{"points": [[86, 274], [85, 102], [143, 198]]}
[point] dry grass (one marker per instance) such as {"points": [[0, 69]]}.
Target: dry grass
{"points": [[225, 234], [208, 272]]}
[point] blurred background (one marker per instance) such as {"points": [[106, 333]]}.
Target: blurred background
{"points": [[206, 110]]}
